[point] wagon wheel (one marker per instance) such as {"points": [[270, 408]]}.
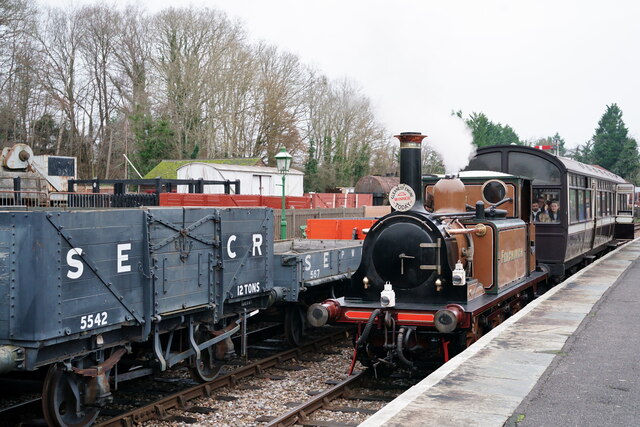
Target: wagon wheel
{"points": [[208, 367], [62, 397], [295, 322]]}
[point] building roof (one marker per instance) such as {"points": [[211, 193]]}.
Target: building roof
{"points": [[244, 168], [168, 169], [376, 184]]}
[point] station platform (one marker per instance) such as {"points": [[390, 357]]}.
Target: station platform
{"points": [[569, 357]]}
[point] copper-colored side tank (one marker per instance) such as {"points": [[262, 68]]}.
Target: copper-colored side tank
{"points": [[449, 195]]}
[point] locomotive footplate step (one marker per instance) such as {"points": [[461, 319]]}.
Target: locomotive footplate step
{"points": [[565, 358]]}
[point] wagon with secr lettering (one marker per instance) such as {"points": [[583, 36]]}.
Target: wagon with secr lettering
{"points": [[94, 288]]}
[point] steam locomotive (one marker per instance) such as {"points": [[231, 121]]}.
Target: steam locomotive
{"points": [[433, 279]]}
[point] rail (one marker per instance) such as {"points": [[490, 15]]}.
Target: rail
{"points": [[180, 400], [299, 414]]}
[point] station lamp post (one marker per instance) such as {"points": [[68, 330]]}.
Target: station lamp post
{"points": [[283, 162]]}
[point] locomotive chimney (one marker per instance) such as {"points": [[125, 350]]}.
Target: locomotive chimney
{"points": [[410, 164]]}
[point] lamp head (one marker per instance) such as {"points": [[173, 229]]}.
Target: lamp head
{"points": [[283, 161]]}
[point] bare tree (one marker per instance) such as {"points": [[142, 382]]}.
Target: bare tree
{"points": [[96, 82], [279, 93], [59, 43], [99, 30], [188, 45], [18, 88]]}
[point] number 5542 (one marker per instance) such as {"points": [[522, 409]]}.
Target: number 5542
{"points": [[91, 320]]}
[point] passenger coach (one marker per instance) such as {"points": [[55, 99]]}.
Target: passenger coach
{"points": [[593, 204]]}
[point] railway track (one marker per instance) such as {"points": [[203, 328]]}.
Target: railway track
{"points": [[25, 406], [160, 409], [300, 414]]}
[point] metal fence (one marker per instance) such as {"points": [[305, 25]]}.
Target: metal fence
{"points": [[297, 218], [24, 198], [104, 200]]}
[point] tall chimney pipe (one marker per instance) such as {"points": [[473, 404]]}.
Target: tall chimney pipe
{"points": [[410, 164]]}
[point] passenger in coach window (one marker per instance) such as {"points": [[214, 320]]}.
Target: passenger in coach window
{"points": [[553, 212], [535, 211], [542, 204]]}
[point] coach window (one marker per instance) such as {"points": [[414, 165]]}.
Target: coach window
{"points": [[612, 201], [623, 205], [573, 202], [581, 215], [486, 162], [541, 170], [546, 197], [587, 204]]}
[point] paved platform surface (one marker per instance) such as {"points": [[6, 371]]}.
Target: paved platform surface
{"points": [[571, 357]]}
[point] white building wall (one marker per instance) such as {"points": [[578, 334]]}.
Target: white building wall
{"points": [[253, 179]]}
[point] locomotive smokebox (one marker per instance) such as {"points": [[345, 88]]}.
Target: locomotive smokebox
{"points": [[410, 164]]}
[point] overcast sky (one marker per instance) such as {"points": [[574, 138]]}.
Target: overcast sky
{"points": [[539, 66]]}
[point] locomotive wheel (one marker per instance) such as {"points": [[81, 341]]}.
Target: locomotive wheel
{"points": [[295, 322], [62, 400], [207, 368], [473, 334]]}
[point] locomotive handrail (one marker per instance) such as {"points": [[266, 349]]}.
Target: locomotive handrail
{"points": [[501, 202], [456, 214]]}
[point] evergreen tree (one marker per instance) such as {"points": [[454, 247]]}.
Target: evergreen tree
{"points": [[311, 169], [582, 153], [154, 141], [609, 138], [628, 164], [486, 133]]}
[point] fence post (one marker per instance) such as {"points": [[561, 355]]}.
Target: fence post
{"points": [[158, 186], [71, 184], [95, 185], [294, 223], [237, 186], [16, 187], [118, 188], [200, 186]]}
